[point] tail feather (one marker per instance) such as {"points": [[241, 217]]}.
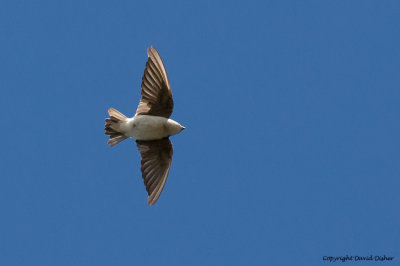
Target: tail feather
{"points": [[115, 140], [112, 125], [116, 114]]}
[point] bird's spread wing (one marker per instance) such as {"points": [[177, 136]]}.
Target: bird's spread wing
{"points": [[156, 91], [156, 161]]}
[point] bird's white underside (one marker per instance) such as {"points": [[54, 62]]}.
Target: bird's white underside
{"points": [[148, 127]]}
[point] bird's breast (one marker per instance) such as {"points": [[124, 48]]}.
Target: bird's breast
{"points": [[146, 127]]}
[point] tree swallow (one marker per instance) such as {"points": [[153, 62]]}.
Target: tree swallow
{"points": [[150, 127]]}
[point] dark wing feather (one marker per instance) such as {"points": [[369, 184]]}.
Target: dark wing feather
{"points": [[156, 162], [156, 91]]}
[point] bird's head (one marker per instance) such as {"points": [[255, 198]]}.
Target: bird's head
{"points": [[174, 127]]}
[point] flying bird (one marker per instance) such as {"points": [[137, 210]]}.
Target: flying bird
{"points": [[150, 126]]}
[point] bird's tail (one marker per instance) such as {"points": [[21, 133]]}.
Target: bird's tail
{"points": [[112, 127]]}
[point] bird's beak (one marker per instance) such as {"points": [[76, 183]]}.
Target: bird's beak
{"points": [[183, 128]]}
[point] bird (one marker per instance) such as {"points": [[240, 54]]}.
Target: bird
{"points": [[151, 126]]}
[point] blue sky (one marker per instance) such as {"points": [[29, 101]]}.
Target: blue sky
{"points": [[291, 151]]}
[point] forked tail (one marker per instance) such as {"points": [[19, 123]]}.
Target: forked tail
{"points": [[112, 126]]}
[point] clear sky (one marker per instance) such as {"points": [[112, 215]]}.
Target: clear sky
{"points": [[291, 150]]}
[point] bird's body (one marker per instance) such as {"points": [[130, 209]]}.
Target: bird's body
{"points": [[150, 127]]}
